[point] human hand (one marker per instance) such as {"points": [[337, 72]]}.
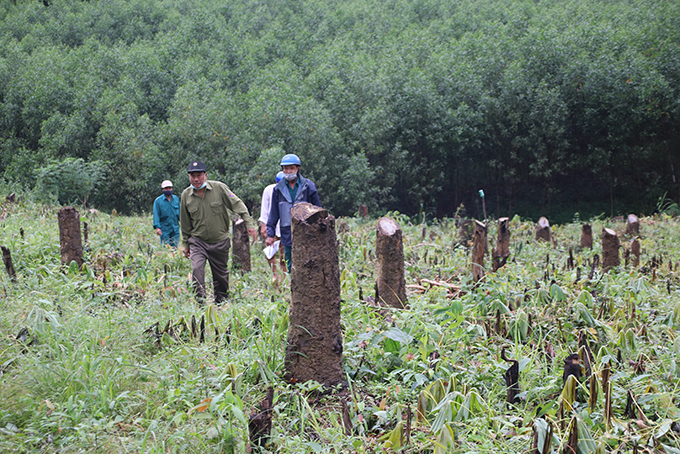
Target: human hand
{"points": [[269, 241], [158, 232], [263, 230], [253, 234], [186, 252]]}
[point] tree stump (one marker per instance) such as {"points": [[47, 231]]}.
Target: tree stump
{"points": [[587, 236], [610, 249], [501, 253], [543, 229], [467, 227], [632, 225], [635, 251], [69, 236], [314, 350], [241, 246], [389, 250], [363, 210], [478, 250], [9, 266]]}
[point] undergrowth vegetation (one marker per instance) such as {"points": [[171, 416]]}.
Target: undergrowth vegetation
{"points": [[113, 358]]}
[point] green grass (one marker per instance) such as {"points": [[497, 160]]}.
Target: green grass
{"points": [[87, 378]]}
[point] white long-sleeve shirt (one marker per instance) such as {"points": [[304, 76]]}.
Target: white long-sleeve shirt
{"points": [[265, 207]]}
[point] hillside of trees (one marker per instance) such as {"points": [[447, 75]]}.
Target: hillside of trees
{"points": [[552, 107]]}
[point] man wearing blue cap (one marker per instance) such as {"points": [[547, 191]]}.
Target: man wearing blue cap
{"points": [[291, 190], [204, 221]]}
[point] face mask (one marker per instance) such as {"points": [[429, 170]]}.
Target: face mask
{"points": [[205, 183], [167, 192], [290, 176]]}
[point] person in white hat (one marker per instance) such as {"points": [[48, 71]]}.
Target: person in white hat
{"points": [[166, 215]]}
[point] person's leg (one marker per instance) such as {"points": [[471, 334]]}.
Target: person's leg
{"points": [[174, 240], [198, 257], [289, 257], [218, 258]]}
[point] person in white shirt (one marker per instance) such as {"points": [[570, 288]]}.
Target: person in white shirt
{"points": [[274, 253]]}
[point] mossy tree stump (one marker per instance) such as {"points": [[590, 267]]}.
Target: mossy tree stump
{"points": [[314, 350], [240, 252], [610, 249], [389, 250], [479, 249], [69, 236]]}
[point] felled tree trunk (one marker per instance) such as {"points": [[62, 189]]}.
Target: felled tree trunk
{"points": [[69, 236], [389, 250], [610, 249], [314, 350], [241, 246], [543, 229], [478, 250], [587, 236], [502, 251], [635, 251], [632, 225]]}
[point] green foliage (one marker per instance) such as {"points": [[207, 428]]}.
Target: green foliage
{"points": [[404, 105], [69, 180]]}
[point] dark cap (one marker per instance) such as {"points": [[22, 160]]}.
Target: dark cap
{"points": [[196, 166]]}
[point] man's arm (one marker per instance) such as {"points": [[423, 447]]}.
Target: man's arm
{"points": [[237, 206], [185, 225]]}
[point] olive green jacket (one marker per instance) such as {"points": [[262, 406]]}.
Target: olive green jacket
{"points": [[207, 217]]}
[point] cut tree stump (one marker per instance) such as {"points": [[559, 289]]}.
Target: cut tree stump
{"points": [[314, 350], [389, 251], [241, 246], [587, 236], [635, 251], [69, 236], [500, 254], [363, 210], [632, 225], [610, 249], [478, 250], [543, 229], [9, 266]]}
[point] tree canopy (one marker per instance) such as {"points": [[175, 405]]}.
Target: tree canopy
{"points": [[551, 107]]}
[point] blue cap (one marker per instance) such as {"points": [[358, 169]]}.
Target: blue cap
{"points": [[279, 176], [290, 159]]}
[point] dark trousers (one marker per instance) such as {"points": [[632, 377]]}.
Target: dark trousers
{"points": [[217, 255]]}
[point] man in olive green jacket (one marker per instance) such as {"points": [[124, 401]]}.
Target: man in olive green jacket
{"points": [[204, 222]]}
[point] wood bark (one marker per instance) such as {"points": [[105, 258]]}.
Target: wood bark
{"points": [[635, 251], [241, 246], [9, 266], [632, 225], [502, 251], [543, 229], [610, 249], [587, 236], [363, 210], [389, 251], [479, 248], [314, 350], [69, 236]]}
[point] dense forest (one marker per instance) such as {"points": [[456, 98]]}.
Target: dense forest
{"points": [[550, 107]]}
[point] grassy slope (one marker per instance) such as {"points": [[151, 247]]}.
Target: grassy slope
{"points": [[94, 381]]}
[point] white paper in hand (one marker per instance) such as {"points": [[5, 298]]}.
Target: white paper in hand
{"points": [[270, 251]]}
